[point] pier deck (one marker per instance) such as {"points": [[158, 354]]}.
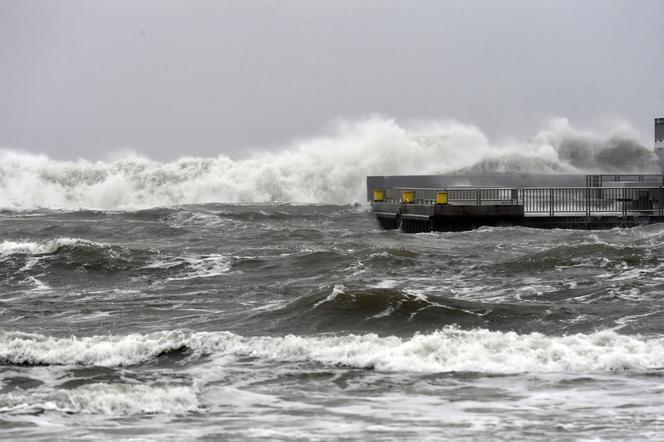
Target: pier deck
{"points": [[607, 204]]}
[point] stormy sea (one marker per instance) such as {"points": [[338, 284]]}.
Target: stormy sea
{"points": [[285, 322], [135, 307]]}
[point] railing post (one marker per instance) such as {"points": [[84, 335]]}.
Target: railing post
{"points": [[550, 201], [624, 201], [659, 203], [479, 196], [587, 201]]}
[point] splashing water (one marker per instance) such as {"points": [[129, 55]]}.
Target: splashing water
{"points": [[329, 170]]}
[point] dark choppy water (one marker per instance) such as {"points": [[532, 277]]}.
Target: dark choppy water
{"points": [[223, 322]]}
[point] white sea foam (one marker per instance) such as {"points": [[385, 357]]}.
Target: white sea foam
{"points": [[131, 349], [338, 289], [205, 266], [328, 169], [8, 248], [446, 350], [108, 399], [37, 284]]}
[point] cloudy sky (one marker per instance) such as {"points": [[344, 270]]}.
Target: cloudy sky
{"points": [[82, 78]]}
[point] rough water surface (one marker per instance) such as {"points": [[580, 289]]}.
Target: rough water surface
{"points": [[307, 322]]}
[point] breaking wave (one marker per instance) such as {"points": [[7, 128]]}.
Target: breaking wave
{"points": [[328, 170], [194, 267], [447, 350], [9, 248], [80, 254], [109, 399], [69, 253]]}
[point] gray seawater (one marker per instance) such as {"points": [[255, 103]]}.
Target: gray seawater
{"points": [[282, 322]]}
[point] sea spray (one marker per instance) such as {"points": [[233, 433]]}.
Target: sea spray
{"points": [[328, 170]]}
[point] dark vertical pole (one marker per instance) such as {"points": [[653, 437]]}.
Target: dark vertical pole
{"points": [[587, 201], [551, 201]]}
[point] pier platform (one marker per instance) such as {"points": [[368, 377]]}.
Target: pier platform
{"points": [[605, 202]]}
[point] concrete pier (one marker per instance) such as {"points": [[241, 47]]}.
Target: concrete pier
{"points": [[420, 218], [605, 202]]}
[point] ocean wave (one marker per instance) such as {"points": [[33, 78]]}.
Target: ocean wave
{"points": [[72, 253], [383, 302], [329, 169], [108, 399], [8, 248], [92, 255], [33, 349], [192, 267], [591, 255], [447, 350]]}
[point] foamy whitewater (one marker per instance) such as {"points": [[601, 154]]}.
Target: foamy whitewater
{"points": [[244, 299], [328, 170]]}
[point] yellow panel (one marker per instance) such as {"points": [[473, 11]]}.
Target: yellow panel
{"points": [[441, 197], [408, 196], [379, 195]]}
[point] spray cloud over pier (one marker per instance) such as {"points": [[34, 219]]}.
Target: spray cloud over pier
{"points": [[329, 169]]}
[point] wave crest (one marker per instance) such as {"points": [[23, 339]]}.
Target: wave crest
{"points": [[446, 350], [107, 399], [9, 248], [328, 169]]}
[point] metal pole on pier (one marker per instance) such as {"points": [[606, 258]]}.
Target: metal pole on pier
{"points": [[551, 201]]}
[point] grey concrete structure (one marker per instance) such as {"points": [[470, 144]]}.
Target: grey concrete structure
{"points": [[412, 203], [659, 141], [414, 218], [659, 132]]}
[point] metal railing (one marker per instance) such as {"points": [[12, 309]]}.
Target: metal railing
{"points": [[600, 180], [589, 201], [551, 201], [458, 195]]}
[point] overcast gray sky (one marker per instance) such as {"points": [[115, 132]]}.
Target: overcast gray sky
{"points": [[80, 78]]}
